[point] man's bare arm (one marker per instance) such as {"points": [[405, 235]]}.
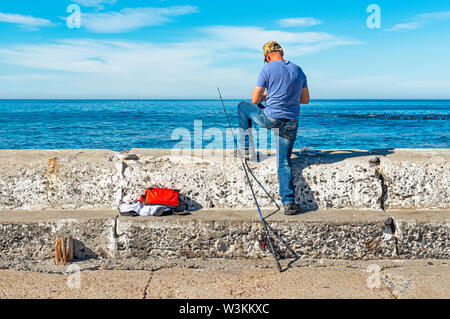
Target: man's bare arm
{"points": [[258, 95], [304, 99]]}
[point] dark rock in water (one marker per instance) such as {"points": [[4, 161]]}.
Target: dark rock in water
{"points": [[434, 117]]}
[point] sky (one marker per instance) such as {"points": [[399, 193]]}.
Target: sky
{"points": [[137, 49]]}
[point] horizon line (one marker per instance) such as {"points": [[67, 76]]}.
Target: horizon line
{"points": [[213, 99]]}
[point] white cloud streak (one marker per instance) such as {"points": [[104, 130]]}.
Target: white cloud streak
{"points": [[293, 43], [25, 21], [298, 22], [421, 20], [406, 26], [435, 16], [217, 55], [130, 19], [94, 3]]}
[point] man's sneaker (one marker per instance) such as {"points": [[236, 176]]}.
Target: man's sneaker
{"points": [[291, 209]]}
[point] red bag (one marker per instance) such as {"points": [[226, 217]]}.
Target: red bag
{"points": [[163, 197]]}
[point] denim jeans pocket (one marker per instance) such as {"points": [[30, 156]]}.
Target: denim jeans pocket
{"points": [[268, 122], [289, 130]]}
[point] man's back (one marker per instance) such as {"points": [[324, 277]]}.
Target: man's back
{"points": [[286, 88], [284, 82]]}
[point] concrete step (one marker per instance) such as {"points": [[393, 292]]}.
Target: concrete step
{"points": [[230, 234]]}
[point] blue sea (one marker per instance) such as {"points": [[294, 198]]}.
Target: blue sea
{"points": [[124, 124]]}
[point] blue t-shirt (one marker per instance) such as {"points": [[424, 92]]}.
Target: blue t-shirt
{"points": [[284, 82]]}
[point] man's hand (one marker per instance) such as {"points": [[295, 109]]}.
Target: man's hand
{"points": [[258, 95]]}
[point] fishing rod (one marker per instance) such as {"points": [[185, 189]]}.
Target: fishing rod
{"points": [[248, 170]]}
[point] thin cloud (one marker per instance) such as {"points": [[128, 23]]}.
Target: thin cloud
{"points": [[294, 43], [209, 46], [94, 3], [27, 22], [421, 20], [142, 68], [130, 19], [407, 26], [435, 16], [177, 60], [298, 22], [128, 68]]}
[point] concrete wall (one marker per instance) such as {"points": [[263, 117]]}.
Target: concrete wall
{"points": [[329, 234], [102, 179]]}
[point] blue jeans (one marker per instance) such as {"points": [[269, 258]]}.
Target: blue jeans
{"points": [[285, 133]]}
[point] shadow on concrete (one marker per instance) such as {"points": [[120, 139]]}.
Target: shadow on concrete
{"points": [[303, 192], [283, 254], [330, 157], [81, 252], [192, 205]]}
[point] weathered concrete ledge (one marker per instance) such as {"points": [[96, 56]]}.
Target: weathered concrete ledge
{"points": [[337, 179], [325, 234]]}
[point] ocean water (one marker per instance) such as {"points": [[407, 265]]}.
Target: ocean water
{"points": [[124, 124]]}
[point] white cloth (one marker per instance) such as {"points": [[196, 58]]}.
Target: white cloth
{"points": [[153, 210], [130, 207], [143, 210]]}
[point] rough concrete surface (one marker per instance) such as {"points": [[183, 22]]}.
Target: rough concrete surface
{"points": [[32, 234], [336, 179], [94, 285], [331, 234], [389, 208], [240, 279], [412, 178], [68, 179]]}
